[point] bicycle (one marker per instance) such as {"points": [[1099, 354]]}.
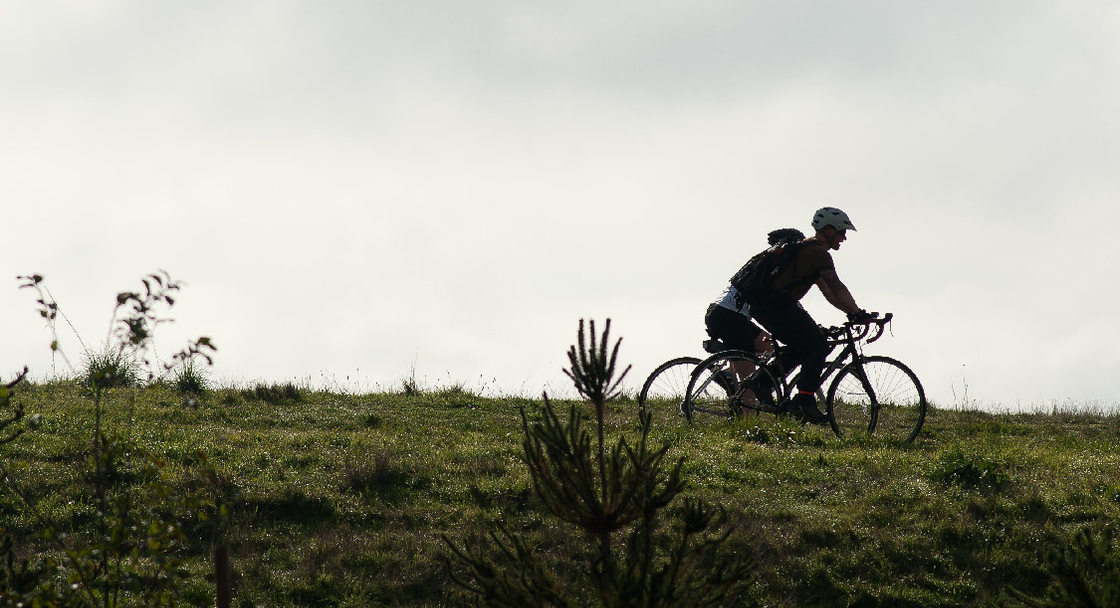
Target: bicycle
{"points": [[665, 387], [668, 382], [872, 394]]}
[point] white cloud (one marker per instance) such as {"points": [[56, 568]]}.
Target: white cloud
{"points": [[375, 186]]}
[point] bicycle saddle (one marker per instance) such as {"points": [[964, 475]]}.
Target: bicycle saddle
{"points": [[714, 346]]}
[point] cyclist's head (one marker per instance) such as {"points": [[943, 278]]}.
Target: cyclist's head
{"points": [[831, 216]]}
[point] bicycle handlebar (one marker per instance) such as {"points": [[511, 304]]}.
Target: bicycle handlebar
{"points": [[855, 332]]}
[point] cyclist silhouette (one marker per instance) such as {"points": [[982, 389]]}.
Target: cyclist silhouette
{"points": [[783, 316]]}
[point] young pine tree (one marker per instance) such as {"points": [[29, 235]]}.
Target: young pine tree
{"points": [[647, 547]]}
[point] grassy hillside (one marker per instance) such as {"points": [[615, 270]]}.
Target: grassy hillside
{"points": [[340, 500]]}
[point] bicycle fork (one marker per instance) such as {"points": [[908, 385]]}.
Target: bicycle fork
{"points": [[872, 408]]}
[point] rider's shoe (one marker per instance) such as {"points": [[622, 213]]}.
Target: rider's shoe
{"points": [[744, 402], [763, 388], [804, 408]]}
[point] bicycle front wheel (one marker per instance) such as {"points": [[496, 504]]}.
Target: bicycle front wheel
{"points": [[729, 384], [664, 390], [877, 395]]}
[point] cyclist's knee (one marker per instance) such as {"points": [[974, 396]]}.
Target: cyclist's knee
{"points": [[763, 342], [817, 347]]}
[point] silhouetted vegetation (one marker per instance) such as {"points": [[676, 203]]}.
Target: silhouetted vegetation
{"points": [[626, 553]]}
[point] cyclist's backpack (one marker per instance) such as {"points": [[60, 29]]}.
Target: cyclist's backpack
{"points": [[754, 279]]}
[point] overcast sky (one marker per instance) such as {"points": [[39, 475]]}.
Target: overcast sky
{"points": [[357, 192]]}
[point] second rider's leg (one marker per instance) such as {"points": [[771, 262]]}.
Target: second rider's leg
{"points": [[737, 331]]}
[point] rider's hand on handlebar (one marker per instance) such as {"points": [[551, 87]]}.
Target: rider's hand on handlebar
{"points": [[861, 316]]}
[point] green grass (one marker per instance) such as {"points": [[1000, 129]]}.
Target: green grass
{"points": [[340, 500], [110, 369]]}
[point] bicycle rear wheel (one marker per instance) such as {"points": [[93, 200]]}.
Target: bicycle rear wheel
{"points": [[877, 395], [664, 389], [729, 384]]}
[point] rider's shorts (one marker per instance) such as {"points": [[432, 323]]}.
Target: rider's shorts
{"points": [[731, 328]]}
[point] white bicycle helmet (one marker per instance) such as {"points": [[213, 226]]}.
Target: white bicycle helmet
{"points": [[831, 216]]}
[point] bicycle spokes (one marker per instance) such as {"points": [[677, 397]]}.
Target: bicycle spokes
{"points": [[877, 395]]}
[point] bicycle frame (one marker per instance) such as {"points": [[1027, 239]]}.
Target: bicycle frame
{"points": [[849, 338], [862, 390]]}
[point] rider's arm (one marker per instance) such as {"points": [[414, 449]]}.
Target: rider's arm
{"points": [[836, 292]]}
